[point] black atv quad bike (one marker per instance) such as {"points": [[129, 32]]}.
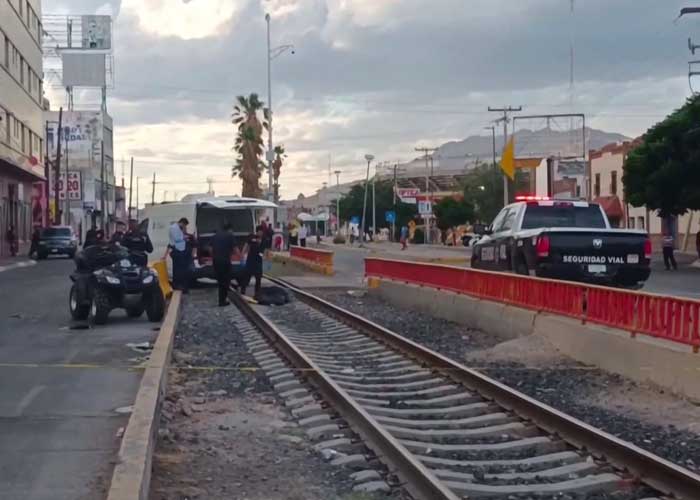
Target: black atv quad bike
{"points": [[110, 277]]}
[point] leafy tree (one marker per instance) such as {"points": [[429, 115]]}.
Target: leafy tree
{"points": [[663, 172], [249, 143], [277, 168], [483, 188], [451, 212], [351, 205]]}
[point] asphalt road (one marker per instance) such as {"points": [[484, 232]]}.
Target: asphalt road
{"points": [[349, 264], [59, 388]]}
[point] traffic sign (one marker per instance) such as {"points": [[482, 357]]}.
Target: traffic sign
{"points": [[390, 216], [354, 219], [425, 207]]}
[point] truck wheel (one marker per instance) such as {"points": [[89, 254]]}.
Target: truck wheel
{"points": [[134, 311], [520, 266], [78, 310], [100, 307], [155, 308]]}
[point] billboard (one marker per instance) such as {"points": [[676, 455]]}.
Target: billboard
{"points": [[81, 69], [73, 188], [81, 130], [96, 32], [407, 195]]}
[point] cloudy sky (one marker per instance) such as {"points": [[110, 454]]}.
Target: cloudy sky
{"points": [[377, 76]]}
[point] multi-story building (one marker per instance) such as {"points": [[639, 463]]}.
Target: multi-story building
{"points": [[21, 119], [607, 190]]}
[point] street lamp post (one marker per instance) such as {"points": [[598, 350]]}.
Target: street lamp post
{"points": [[374, 203], [272, 53], [369, 159], [337, 201]]}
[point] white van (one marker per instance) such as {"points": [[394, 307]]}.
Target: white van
{"points": [[207, 215]]}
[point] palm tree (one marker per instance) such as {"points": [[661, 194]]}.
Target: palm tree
{"points": [[249, 143], [277, 167]]}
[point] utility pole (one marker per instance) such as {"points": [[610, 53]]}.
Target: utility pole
{"points": [[57, 169], [374, 202], [369, 159], [493, 142], [102, 185], [504, 119], [427, 188], [138, 181], [47, 174], [131, 186], [153, 191], [337, 201], [395, 168], [66, 208]]}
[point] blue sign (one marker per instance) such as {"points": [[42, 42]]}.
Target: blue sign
{"points": [[354, 219], [390, 216]]}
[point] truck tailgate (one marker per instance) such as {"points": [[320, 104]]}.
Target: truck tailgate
{"points": [[609, 248]]}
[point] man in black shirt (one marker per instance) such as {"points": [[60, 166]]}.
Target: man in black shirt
{"points": [[222, 245], [137, 242], [254, 261]]}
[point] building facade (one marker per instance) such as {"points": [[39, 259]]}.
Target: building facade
{"points": [[83, 135], [21, 119], [607, 190]]}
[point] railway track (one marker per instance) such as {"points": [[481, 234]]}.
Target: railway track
{"points": [[449, 432]]}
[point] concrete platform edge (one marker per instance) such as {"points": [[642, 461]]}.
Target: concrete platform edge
{"points": [[310, 266], [642, 358], [132, 474]]}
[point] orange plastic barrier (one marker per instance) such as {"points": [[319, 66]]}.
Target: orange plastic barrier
{"points": [[321, 257], [671, 318]]}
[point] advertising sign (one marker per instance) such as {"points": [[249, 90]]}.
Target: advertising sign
{"points": [[84, 70], [408, 195], [73, 188], [390, 216], [96, 32]]}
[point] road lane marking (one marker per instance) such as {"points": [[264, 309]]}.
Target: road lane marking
{"points": [[18, 265], [28, 399]]}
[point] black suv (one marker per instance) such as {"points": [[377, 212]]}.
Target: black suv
{"points": [[57, 240]]}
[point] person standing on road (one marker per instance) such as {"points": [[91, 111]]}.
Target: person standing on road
{"points": [[178, 253], [404, 237], [667, 245], [697, 243], [253, 262], [302, 235], [222, 245], [34, 248]]}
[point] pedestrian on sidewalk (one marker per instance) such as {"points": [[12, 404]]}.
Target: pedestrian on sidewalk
{"points": [[222, 245], [667, 244], [178, 253], [34, 247], [404, 237], [302, 235], [697, 244], [11, 239]]}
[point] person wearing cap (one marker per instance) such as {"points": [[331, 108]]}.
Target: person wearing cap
{"points": [[118, 235], [137, 242], [178, 253]]}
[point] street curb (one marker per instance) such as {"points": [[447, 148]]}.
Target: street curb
{"points": [[131, 479], [24, 263], [310, 266]]}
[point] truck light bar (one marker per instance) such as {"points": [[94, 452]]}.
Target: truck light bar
{"points": [[532, 198]]}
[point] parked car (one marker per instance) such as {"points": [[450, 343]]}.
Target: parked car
{"points": [[564, 239], [57, 240]]}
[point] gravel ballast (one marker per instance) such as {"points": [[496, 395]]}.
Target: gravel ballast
{"points": [[224, 433], [646, 416]]}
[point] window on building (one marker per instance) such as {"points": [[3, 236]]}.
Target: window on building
{"points": [[30, 80], [640, 221], [596, 185], [23, 144], [630, 222], [613, 182], [16, 128], [4, 51], [21, 8]]}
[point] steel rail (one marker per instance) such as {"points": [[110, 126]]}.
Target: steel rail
{"points": [[648, 468], [415, 477]]}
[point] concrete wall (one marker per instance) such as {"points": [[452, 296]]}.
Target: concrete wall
{"points": [[646, 359]]}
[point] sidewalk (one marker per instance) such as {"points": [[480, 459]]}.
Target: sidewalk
{"points": [[424, 253]]}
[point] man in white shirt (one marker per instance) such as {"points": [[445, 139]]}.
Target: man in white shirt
{"points": [[178, 254], [302, 235]]}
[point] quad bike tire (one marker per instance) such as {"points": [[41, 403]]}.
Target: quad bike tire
{"points": [[155, 308], [78, 311], [100, 307], [134, 311]]}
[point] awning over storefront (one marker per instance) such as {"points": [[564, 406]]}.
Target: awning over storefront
{"points": [[611, 205], [29, 174]]}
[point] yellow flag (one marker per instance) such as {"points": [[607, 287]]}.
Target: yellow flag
{"points": [[508, 159]]}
